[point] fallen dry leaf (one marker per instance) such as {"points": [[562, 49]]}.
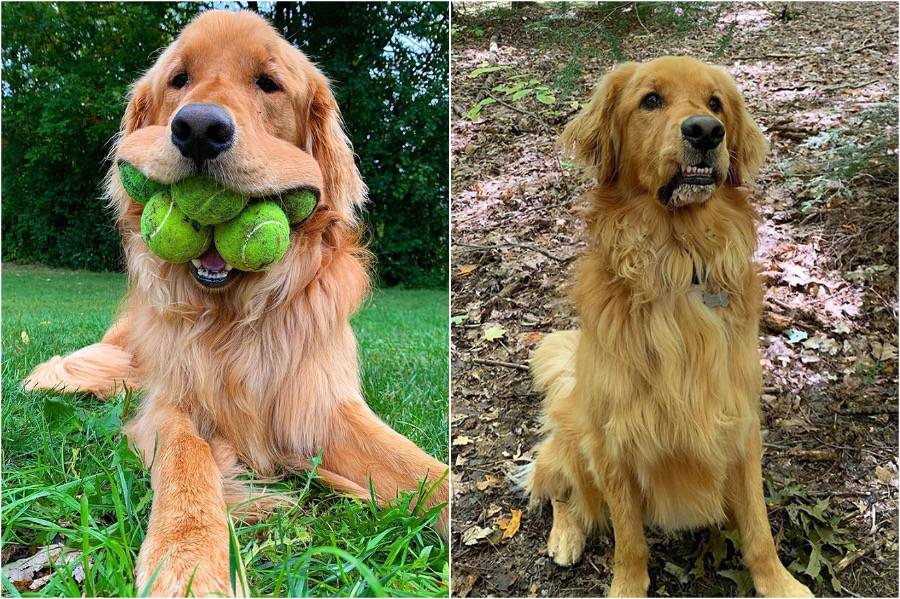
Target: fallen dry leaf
{"points": [[532, 339], [495, 332], [488, 482], [467, 268], [776, 322], [22, 572], [510, 526], [463, 589], [475, 534], [887, 475], [462, 440], [883, 352]]}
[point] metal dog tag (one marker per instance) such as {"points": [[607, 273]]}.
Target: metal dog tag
{"points": [[716, 300]]}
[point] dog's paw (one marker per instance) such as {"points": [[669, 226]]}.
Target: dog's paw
{"points": [[181, 574], [784, 585], [566, 544], [629, 586], [195, 565], [177, 578]]}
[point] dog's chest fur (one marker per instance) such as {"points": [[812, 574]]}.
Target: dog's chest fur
{"points": [[210, 366], [694, 369]]}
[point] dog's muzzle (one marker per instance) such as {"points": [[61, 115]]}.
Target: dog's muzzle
{"points": [[694, 183]]}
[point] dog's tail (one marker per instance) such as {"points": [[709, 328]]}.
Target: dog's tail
{"points": [[553, 365], [101, 369]]}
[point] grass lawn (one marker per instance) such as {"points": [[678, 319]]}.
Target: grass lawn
{"points": [[69, 477]]}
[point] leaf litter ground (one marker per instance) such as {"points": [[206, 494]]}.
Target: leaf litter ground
{"points": [[815, 76]]}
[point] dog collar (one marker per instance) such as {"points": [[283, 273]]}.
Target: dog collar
{"points": [[710, 300]]}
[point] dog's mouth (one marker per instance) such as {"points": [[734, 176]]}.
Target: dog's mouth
{"points": [[701, 174], [211, 270], [690, 185]]}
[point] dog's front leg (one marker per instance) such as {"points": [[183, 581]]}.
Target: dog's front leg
{"points": [[746, 503], [187, 543], [630, 577]]}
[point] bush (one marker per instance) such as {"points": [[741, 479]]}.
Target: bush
{"points": [[66, 71]]}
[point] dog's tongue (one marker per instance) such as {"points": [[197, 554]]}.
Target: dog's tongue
{"points": [[212, 261]]}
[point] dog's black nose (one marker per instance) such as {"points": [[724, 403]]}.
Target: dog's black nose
{"points": [[703, 132], [202, 131]]}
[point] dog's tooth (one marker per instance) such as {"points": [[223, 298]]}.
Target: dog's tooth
{"points": [[228, 267], [196, 263]]}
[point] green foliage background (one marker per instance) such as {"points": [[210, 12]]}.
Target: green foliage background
{"points": [[66, 72]]}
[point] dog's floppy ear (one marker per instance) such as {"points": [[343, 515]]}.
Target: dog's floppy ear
{"points": [[141, 107], [593, 137], [747, 147], [326, 140]]}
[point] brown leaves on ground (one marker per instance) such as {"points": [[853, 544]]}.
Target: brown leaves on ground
{"points": [[812, 74], [32, 573]]}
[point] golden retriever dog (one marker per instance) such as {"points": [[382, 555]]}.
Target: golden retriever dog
{"points": [[240, 370], [651, 412]]}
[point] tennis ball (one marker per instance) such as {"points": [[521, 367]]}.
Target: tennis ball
{"points": [[299, 205], [207, 201], [170, 233], [139, 187], [256, 239]]}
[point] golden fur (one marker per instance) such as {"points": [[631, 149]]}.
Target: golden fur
{"points": [[651, 409], [261, 373]]}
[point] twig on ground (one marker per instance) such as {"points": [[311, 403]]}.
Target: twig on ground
{"points": [[784, 305], [803, 85], [527, 246], [815, 455], [517, 109], [849, 559], [849, 85], [868, 410], [499, 363]]}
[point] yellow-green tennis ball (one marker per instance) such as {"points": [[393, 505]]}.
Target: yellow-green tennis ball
{"points": [[299, 205], [207, 201], [136, 185], [256, 239], [170, 233]]}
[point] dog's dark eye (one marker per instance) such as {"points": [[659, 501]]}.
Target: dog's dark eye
{"points": [[267, 85], [651, 102], [715, 104], [180, 80]]}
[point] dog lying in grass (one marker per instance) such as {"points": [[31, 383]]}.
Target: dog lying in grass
{"points": [[240, 370]]}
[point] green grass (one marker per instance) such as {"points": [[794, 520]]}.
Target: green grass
{"points": [[69, 477]]}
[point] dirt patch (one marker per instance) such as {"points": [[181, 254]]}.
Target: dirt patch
{"points": [[813, 75]]}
